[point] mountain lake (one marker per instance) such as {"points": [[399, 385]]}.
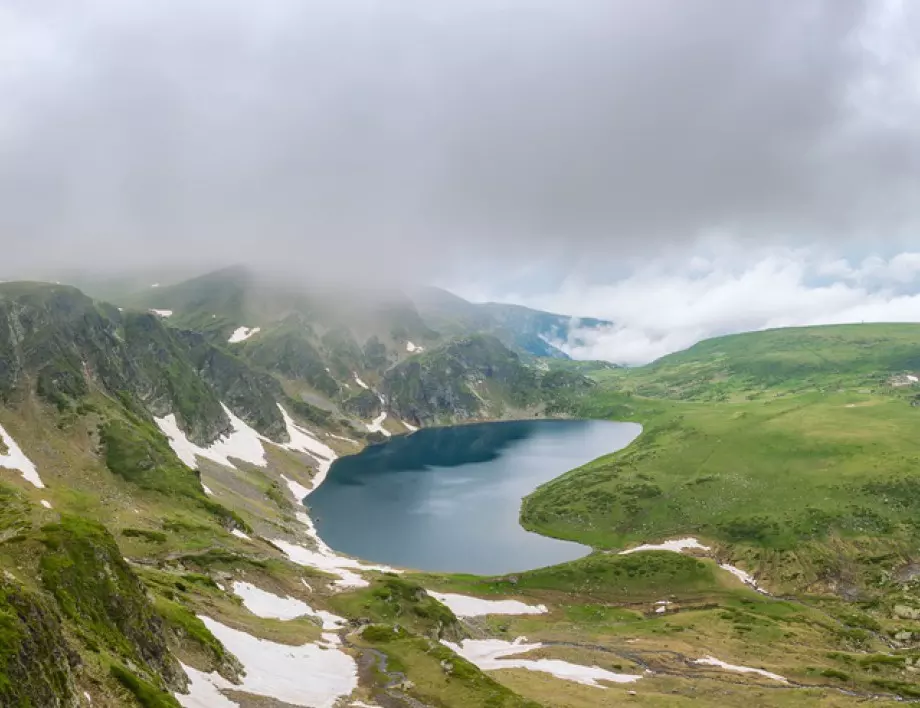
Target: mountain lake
{"points": [[448, 499]]}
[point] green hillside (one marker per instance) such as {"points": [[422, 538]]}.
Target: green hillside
{"points": [[791, 454], [826, 358]]}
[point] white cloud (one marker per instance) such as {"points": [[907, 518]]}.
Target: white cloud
{"points": [[671, 303]]}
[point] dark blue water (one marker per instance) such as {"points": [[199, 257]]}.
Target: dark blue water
{"points": [[448, 499]]}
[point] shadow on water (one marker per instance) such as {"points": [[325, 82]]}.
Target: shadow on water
{"points": [[448, 499], [438, 447]]}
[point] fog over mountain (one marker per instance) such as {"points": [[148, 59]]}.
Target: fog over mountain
{"points": [[608, 158]]}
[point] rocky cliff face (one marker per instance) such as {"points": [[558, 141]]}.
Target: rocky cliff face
{"points": [[470, 378], [36, 662], [61, 344]]}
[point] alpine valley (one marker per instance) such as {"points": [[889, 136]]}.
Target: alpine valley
{"points": [[758, 543]]}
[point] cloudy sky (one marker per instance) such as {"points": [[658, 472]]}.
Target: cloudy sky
{"points": [[682, 167]]}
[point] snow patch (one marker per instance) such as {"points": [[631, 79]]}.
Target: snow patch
{"points": [[677, 545], [270, 606], [244, 443], [326, 560], [296, 488], [411, 428], [743, 576], [360, 382], [712, 661], [376, 425], [207, 489], [45, 503], [162, 313], [15, 459], [912, 378], [302, 440], [412, 348], [204, 690], [492, 655], [241, 334], [466, 606], [240, 534], [279, 671]]}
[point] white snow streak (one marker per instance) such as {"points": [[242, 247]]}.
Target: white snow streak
{"points": [[302, 440], [677, 545], [466, 606], [712, 661], [241, 334], [311, 675], [412, 348], [410, 427], [376, 426], [162, 313], [204, 690], [15, 459], [270, 606], [492, 655], [45, 503], [296, 488], [240, 534], [244, 443], [325, 559], [207, 489], [680, 545], [743, 576], [360, 382]]}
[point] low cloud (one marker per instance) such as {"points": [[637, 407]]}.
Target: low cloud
{"points": [[413, 139], [663, 307]]}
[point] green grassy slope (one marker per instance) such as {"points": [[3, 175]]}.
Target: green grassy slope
{"points": [[792, 453], [822, 358], [799, 468], [769, 440], [777, 476]]}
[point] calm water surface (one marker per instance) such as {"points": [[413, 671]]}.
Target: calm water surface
{"points": [[448, 499]]}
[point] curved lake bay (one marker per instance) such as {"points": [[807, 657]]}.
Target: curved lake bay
{"points": [[448, 499]]}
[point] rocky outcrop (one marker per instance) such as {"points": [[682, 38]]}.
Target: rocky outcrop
{"points": [[64, 344], [36, 663], [471, 378], [84, 571]]}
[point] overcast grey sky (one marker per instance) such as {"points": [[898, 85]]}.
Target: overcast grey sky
{"points": [[537, 140]]}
